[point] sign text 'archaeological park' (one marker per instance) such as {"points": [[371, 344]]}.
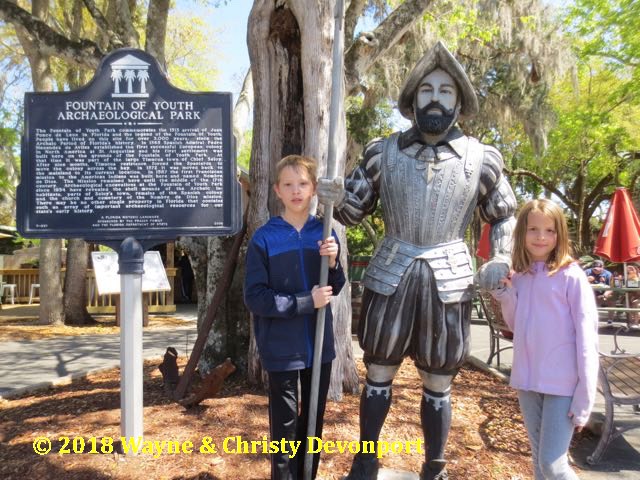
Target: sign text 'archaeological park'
{"points": [[128, 155]]}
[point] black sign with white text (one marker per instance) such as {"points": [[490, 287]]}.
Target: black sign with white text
{"points": [[128, 155]]}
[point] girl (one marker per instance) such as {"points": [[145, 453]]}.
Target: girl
{"points": [[550, 307]]}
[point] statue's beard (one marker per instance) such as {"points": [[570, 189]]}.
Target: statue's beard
{"points": [[434, 124]]}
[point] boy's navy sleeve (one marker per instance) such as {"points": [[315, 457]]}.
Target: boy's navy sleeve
{"points": [[263, 300], [336, 275]]}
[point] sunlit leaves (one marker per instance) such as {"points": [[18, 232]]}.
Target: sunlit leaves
{"points": [[191, 52]]}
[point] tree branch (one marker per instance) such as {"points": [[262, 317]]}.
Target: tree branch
{"points": [[351, 16], [83, 52], [613, 56], [103, 24], [371, 233], [157, 18], [124, 23], [595, 202], [368, 48], [598, 189], [520, 172]]}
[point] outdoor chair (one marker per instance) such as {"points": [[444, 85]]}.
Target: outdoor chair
{"points": [[32, 291], [11, 289], [498, 329], [619, 383]]}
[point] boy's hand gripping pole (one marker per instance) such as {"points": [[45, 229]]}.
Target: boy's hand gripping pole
{"points": [[336, 98]]}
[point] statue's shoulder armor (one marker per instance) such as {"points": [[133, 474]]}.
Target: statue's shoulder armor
{"points": [[373, 148], [372, 156], [492, 158], [492, 165]]}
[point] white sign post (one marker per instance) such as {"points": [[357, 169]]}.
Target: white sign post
{"points": [[129, 274], [131, 360]]}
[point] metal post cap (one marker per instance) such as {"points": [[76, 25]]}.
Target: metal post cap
{"points": [[130, 256]]}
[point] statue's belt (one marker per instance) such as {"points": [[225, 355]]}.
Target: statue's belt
{"points": [[450, 262]]}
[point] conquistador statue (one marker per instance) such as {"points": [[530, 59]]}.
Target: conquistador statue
{"points": [[418, 286]]}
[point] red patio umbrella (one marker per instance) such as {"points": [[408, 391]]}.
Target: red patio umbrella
{"points": [[619, 239], [484, 248]]}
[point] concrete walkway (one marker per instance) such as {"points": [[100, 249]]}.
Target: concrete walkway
{"points": [[28, 365]]}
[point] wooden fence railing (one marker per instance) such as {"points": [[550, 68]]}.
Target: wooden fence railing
{"points": [[23, 278]]}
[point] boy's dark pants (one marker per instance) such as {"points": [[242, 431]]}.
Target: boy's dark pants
{"points": [[285, 422]]}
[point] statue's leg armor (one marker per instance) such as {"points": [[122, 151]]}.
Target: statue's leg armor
{"points": [[439, 357], [374, 406], [435, 417]]}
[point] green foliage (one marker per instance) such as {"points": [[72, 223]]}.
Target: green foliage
{"points": [[190, 44], [244, 155], [20, 242], [609, 29], [595, 125], [366, 123], [359, 240]]}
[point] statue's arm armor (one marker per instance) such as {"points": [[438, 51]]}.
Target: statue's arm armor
{"points": [[361, 187], [497, 203]]}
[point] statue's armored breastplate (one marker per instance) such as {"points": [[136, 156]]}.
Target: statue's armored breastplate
{"points": [[429, 202]]}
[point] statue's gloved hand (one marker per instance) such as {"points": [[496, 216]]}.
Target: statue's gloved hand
{"points": [[330, 190], [490, 274]]}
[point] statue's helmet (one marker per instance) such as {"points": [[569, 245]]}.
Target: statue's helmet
{"points": [[438, 57]]}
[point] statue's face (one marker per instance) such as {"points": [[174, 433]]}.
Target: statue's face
{"points": [[435, 103], [437, 86]]}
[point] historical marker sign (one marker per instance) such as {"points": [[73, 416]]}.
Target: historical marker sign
{"points": [[128, 155]]}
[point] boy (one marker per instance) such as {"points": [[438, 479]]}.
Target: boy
{"points": [[283, 265]]}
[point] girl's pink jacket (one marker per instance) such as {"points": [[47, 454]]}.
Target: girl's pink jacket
{"points": [[555, 335]]}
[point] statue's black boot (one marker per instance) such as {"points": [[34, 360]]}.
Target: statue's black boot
{"points": [[434, 470], [374, 406], [364, 467], [435, 416]]}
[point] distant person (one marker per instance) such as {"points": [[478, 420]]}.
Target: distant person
{"points": [[186, 276], [633, 276], [598, 275], [632, 281], [283, 269], [549, 305]]}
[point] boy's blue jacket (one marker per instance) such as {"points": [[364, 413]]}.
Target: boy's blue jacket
{"points": [[283, 265]]}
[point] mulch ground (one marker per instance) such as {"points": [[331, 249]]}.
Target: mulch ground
{"points": [[487, 439]]}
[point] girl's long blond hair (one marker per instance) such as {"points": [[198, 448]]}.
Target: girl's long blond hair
{"points": [[561, 254]]}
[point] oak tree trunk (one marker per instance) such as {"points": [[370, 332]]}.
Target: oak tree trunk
{"points": [[75, 284], [290, 50], [51, 309]]}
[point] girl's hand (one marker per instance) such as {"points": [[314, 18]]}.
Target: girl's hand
{"points": [[577, 428], [329, 248], [506, 281], [321, 296]]}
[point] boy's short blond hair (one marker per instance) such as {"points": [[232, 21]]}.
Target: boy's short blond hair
{"points": [[298, 162]]}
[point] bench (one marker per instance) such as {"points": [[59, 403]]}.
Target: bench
{"points": [[619, 383], [498, 329]]}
